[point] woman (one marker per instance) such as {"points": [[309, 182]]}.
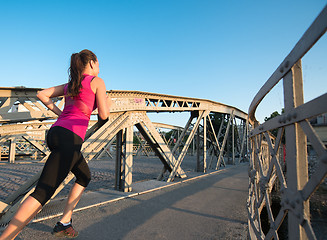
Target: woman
{"points": [[84, 92]]}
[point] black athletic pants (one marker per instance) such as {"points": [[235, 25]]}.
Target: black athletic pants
{"points": [[65, 156]]}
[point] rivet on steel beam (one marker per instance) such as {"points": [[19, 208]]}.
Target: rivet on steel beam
{"points": [[293, 204], [281, 69], [289, 117], [272, 226], [287, 64], [324, 158], [294, 115]]}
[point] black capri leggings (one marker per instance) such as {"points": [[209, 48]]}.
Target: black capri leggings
{"points": [[65, 156]]}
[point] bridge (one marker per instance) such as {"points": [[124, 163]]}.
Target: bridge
{"points": [[129, 110], [273, 177]]}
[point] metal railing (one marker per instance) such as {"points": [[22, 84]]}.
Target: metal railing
{"points": [[294, 187]]}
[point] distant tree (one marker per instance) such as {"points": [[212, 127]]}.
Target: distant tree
{"points": [[169, 134], [217, 119], [136, 141], [273, 115]]}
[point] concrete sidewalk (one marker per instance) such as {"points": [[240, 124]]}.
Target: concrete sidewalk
{"points": [[207, 207]]}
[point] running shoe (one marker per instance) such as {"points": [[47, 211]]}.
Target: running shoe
{"points": [[62, 231]]}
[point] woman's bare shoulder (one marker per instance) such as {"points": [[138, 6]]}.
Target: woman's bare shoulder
{"points": [[97, 80], [97, 83]]}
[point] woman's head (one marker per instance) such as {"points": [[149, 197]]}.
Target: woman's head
{"points": [[79, 64]]}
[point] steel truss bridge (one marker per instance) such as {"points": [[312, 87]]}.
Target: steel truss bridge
{"points": [[24, 118], [267, 175], [268, 179]]}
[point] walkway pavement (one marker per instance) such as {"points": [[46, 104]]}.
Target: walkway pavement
{"points": [[211, 206]]}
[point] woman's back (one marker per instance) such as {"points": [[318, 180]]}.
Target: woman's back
{"points": [[77, 111]]}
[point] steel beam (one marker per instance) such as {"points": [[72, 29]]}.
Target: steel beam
{"points": [[128, 164], [186, 146], [233, 141], [119, 169], [182, 135], [205, 143], [220, 157], [296, 150], [216, 145], [159, 145]]}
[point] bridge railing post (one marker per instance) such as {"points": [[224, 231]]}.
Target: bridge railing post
{"points": [[296, 147]]}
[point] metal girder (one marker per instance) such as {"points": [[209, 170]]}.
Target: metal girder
{"points": [[150, 133], [105, 150], [233, 141], [204, 143], [37, 145], [142, 147], [12, 150], [119, 169], [167, 126], [220, 157], [244, 140], [128, 159], [296, 142], [216, 145], [124, 159], [181, 137], [11, 129], [121, 101], [172, 175]]}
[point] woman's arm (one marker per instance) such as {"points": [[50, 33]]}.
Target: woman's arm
{"points": [[46, 95], [103, 101]]}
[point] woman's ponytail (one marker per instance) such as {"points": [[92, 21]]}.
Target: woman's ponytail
{"points": [[78, 62]]}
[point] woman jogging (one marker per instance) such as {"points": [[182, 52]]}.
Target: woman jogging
{"points": [[84, 92]]}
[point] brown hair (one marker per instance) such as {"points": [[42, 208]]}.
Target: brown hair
{"points": [[78, 62]]}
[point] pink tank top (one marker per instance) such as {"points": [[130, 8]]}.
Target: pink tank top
{"points": [[77, 111]]}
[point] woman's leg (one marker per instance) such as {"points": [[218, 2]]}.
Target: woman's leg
{"points": [[73, 198], [83, 176], [25, 213]]}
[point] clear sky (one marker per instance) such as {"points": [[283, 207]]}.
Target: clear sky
{"points": [[218, 50]]}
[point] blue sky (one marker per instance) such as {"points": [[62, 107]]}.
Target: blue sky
{"points": [[218, 50]]}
